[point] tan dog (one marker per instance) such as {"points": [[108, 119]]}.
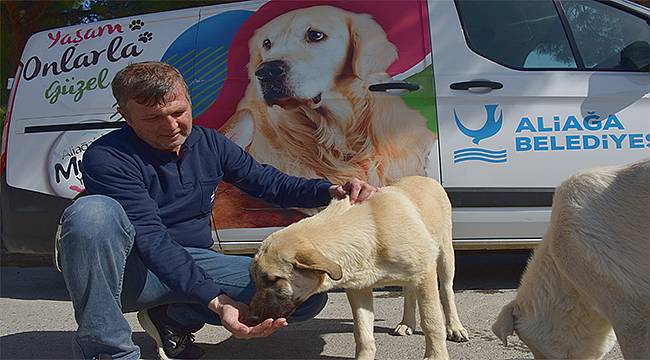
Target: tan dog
{"points": [[591, 272], [308, 111], [400, 236]]}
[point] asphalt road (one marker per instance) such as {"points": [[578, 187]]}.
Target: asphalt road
{"points": [[36, 319]]}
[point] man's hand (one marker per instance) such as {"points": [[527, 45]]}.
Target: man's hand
{"points": [[358, 190], [232, 313]]}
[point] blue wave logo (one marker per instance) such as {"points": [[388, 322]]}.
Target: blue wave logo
{"points": [[491, 127], [479, 154]]}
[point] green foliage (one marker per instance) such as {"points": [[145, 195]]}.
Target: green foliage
{"points": [[3, 112], [19, 20]]}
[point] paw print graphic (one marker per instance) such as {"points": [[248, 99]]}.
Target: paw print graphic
{"points": [[145, 36], [136, 25]]}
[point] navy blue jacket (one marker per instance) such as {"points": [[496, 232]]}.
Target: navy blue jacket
{"points": [[168, 198]]}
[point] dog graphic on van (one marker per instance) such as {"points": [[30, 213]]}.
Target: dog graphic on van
{"points": [[307, 109]]}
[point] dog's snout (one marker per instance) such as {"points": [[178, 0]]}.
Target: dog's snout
{"points": [[271, 70]]}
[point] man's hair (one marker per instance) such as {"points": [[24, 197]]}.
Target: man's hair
{"points": [[146, 83]]}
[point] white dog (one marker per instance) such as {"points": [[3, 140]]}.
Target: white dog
{"points": [[590, 275], [400, 236]]}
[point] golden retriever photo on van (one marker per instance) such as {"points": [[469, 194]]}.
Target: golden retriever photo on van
{"points": [[400, 236], [588, 283], [308, 111]]}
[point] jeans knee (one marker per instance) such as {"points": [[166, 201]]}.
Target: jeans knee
{"points": [[310, 308], [92, 218]]}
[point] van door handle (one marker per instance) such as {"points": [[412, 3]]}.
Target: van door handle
{"points": [[477, 85], [392, 86]]}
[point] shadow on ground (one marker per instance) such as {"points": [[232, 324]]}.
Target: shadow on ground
{"points": [[299, 341], [282, 345], [59, 345]]}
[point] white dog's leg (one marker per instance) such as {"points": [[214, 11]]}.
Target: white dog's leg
{"points": [[363, 314], [446, 271], [407, 325], [431, 317]]}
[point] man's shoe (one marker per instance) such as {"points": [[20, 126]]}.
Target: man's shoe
{"points": [[174, 341]]}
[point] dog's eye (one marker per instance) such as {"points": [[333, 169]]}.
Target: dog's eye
{"points": [[266, 44], [315, 35]]}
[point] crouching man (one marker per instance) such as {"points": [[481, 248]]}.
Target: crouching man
{"points": [[141, 240]]}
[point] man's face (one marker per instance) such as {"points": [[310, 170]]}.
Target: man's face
{"points": [[163, 127]]}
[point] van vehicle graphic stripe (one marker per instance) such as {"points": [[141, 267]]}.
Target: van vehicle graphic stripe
{"points": [[500, 197], [74, 127], [480, 159], [478, 150], [208, 97], [479, 154], [206, 68], [190, 62], [199, 96], [220, 66], [201, 73], [207, 84], [210, 57], [181, 63]]}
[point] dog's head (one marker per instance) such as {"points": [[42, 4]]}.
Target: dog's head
{"points": [[301, 55], [286, 272]]}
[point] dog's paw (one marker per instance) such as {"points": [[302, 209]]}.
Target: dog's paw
{"points": [[402, 330], [457, 334]]}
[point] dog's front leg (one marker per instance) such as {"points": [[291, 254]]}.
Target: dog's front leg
{"points": [[364, 317]]}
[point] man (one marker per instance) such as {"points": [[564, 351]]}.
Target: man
{"points": [[141, 240]]}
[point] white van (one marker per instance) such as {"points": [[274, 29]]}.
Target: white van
{"points": [[498, 100]]}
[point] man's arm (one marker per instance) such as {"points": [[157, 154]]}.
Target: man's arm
{"points": [[268, 183]]}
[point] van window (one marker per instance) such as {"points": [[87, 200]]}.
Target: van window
{"points": [[608, 38], [516, 34]]}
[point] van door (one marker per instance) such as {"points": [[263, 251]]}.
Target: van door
{"points": [[528, 93]]}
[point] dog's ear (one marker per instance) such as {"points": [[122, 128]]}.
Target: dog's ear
{"points": [[371, 51], [314, 260], [504, 326]]}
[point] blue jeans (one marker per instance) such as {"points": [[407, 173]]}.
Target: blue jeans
{"points": [[105, 279]]}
